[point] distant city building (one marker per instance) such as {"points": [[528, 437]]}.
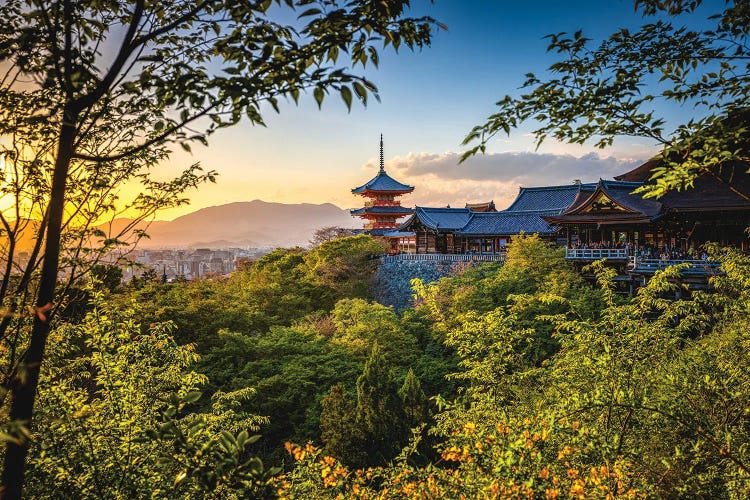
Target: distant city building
{"points": [[191, 264]]}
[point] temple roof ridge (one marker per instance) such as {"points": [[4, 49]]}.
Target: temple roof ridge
{"points": [[558, 187]]}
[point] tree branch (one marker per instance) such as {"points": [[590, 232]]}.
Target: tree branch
{"points": [[126, 49], [159, 138]]}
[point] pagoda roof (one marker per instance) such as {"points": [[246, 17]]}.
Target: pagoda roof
{"points": [[383, 183], [382, 210]]}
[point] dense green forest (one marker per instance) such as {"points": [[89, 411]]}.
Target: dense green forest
{"points": [[286, 379], [501, 381]]}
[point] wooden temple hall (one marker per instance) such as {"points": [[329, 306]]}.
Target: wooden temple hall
{"points": [[608, 219]]}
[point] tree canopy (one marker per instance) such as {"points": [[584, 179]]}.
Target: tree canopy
{"points": [[94, 94]]}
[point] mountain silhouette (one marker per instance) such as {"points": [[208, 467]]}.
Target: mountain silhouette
{"points": [[247, 224], [242, 224]]}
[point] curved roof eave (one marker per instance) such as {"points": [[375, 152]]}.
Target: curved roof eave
{"points": [[383, 183]]}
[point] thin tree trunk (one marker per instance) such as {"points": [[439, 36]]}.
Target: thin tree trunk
{"points": [[24, 384]]}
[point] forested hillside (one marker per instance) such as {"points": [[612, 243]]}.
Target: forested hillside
{"points": [[285, 380]]}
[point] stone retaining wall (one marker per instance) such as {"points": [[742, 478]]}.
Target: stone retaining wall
{"points": [[391, 284]]}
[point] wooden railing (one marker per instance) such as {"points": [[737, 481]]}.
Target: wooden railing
{"points": [[652, 265], [382, 203], [446, 257], [596, 253]]}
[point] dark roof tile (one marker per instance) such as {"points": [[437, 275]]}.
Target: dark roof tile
{"points": [[508, 223], [547, 198], [447, 219]]}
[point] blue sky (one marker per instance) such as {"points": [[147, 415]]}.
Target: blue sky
{"points": [[430, 99]]}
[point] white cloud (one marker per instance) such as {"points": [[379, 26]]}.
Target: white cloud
{"points": [[439, 179]]}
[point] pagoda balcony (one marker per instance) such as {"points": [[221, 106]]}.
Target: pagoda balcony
{"points": [[590, 254], [381, 225], [382, 203]]}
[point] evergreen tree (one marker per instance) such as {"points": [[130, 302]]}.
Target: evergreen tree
{"points": [[379, 411], [338, 426], [413, 399]]}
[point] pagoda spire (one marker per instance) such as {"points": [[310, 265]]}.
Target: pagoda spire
{"points": [[382, 167]]}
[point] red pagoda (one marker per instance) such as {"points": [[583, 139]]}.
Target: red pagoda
{"points": [[382, 208]]}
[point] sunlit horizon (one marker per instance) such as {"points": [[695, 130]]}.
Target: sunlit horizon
{"points": [[430, 100]]}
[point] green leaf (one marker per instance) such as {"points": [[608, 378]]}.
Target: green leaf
{"points": [[310, 12], [192, 397], [346, 95], [318, 95], [361, 91]]}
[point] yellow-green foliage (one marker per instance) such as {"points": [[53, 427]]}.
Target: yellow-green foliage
{"points": [[557, 389], [360, 324], [115, 418], [515, 459], [571, 392], [345, 264], [280, 288]]}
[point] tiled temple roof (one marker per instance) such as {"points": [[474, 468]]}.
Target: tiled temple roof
{"points": [[388, 233], [488, 206], [524, 215], [622, 193], [383, 182], [548, 197], [446, 219], [508, 223], [618, 204]]}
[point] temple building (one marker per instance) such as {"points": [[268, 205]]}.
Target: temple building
{"points": [[382, 209], [481, 229], [609, 219], [616, 223]]}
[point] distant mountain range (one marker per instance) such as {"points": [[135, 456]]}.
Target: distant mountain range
{"points": [[247, 224], [243, 224]]}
